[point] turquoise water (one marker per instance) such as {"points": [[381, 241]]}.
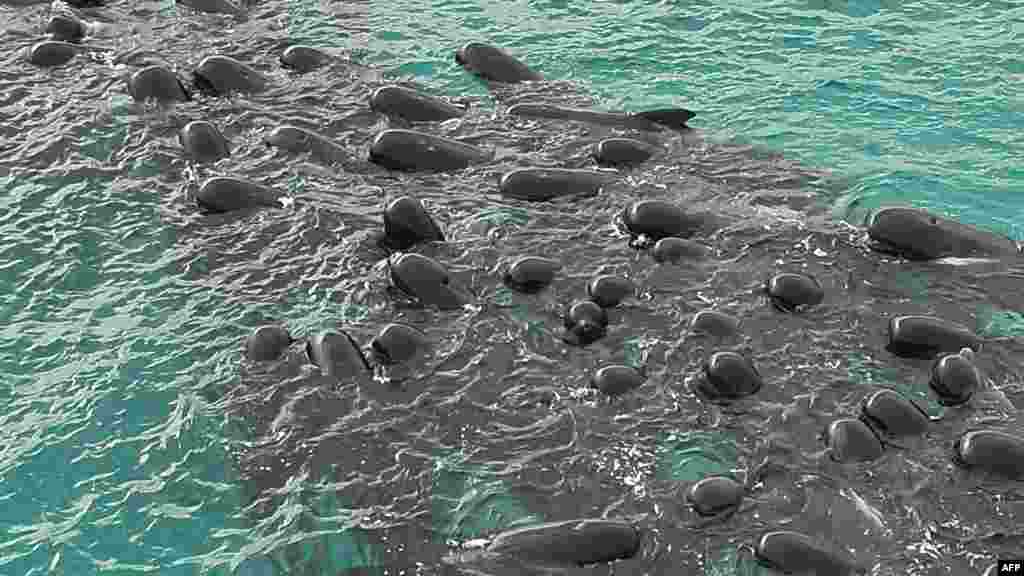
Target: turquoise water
{"points": [[122, 321]]}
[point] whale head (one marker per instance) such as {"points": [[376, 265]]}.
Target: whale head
{"points": [[916, 234]]}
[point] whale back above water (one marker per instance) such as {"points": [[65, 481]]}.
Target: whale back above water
{"points": [[917, 234], [494, 64], [220, 75]]}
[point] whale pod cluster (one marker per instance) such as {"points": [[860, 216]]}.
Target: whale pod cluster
{"points": [[668, 230], [725, 375]]}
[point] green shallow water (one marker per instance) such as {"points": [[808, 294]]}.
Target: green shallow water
{"points": [[117, 346]]}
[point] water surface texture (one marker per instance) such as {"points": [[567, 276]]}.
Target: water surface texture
{"points": [[134, 439]]}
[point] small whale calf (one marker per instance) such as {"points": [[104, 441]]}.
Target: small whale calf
{"points": [[649, 121], [542, 184], [917, 234], [409, 150], [955, 378], [412, 106], [494, 64], [570, 543]]}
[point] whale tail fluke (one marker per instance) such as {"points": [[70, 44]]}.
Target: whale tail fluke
{"points": [[670, 117]]}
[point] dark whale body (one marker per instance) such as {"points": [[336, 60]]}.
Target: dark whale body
{"points": [[571, 543], [494, 64], [649, 121], [540, 184], [220, 75], [917, 234], [225, 194], [410, 150], [411, 105]]}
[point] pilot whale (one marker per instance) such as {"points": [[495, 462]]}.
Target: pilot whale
{"points": [[917, 234], [649, 121]]}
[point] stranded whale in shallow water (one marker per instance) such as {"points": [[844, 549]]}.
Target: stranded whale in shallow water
{"points": [[919, 235], [494, 64], [220, 75], [569, 543], [539, 184], [302, 141], [412, 106], [203, 142], [417, 151], [225, 194], [649, 121], [159, 83]]}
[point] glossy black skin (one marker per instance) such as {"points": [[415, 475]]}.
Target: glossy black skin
{"points": [[411, 151], [925, 336], [543, 184], [407, 223], [955, 378], [991, 451], [795, 553], [225, 194], [570, 543], [203, 142], [728, 376], [412, 106], [426, 280], [715, 496], [789, 292], [610, 290], [621, 152], [852, 440], [890, 414], [337, 354], [159, 83], [714, 323], [531, 274], [917, 234], [494, 64]]}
